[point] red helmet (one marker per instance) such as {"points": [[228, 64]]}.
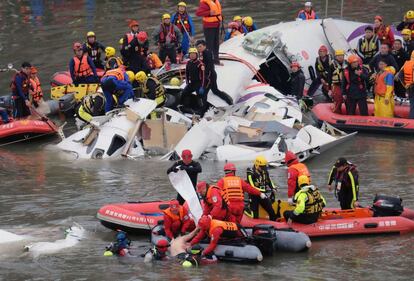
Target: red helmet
{"points": [[295, 64], [378, 18], [77, 46], [162, 245], [33, 70], [323, 48], [186, 153], [174, 204], [290, 157], [201, 186], [204, 222], [229, 167], [142, 36], [133, 23]]}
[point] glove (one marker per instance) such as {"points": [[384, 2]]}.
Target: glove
{"points": [[182, 167], [263, 196], [290, 201], [201, 91]]}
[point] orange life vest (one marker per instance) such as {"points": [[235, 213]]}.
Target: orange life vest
{"points": [[408, 69], [232, 189], [214, 6], [183, 18], [117, 73], [229, 228], [380, 88], [36, 89], [25, 84], [302, 170], [167, 32], [174, 217], [82, 67], [130, 36], [310, 16]]}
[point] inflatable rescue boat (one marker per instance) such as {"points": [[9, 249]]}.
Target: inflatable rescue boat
{"points": [[400, 124], [26, 129]]}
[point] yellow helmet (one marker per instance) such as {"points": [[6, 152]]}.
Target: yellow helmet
{"points": [[406, 31], [110, 51], [175, 81], [192, 50], [131, 76], [236, 18], [141, 76], [260, 161], [248, 21], [390, 69], [410, 15], [182, 4], [90, 34], [166, 16], [121, 41], [339, 52], [303, 180]]}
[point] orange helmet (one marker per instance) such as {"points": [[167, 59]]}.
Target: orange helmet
{"points": [[33, 70], [133, 23], [353, 58]]}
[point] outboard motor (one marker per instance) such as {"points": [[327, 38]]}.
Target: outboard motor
{"points": [[264, 237], [387, 206]]}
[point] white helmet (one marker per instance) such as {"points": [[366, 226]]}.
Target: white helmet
{"points": [[308, 4]]}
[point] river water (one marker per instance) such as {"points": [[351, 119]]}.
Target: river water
{"points": [[42, 192]]}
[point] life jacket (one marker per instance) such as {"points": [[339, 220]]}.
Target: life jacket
{"points": [[89, 102], [167, 34], [82, 67], [258, 179], [153, 61], [310, 16], [36, 89], [214, 6], [314, 204], [130, 36], [338, 72], [361, 84], [408, 69], [232, 189], [209, 195], [182, 18], [383, 34], [229, 228], [321, 68], [380, 88], [159, 90], [302, 170], [117, 73], [113, 63], [174, 217], [369, 47], [25, 84]]}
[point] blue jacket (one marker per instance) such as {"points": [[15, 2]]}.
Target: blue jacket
{"points": [[18, 82], [121, 85]]}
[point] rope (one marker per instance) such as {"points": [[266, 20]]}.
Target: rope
{"points": [[250, 66]]}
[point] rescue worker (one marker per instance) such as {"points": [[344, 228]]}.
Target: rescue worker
{"points": [[346, 178], [408, 41], [297, 80], [81, 67], [368, 46], [20, 87], [248, 24], [239, 20], [323, 65], [232, 189], [384, 91], [354, 87], [400, 56], [233, 30], [36, 93], [258, 177], [384, 32], [184, 22], [193, 168], [215, 230], [213, 204], [206, 56], [126, 41], [93, 48], [91, 106], [111, 61], [407, 76], [116, 82], [337, 70], [211, 12], [309, 203], [4, 115], [307, 13], [195, 76], [158, 252], [150, 88], [168, 38], [407, 23], [295, 170], [120, 247], [384, 55], [176, 220], [138, 53]]}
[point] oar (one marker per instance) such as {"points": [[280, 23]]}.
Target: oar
{"points": [[186, 31], [47, 120]]}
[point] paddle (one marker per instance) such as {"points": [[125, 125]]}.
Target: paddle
{"points": [[47, 121]]}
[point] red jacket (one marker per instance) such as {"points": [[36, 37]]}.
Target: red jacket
{"points": [[176, 225], [246, 187], [214, 238], [213, 204], [204, 11]]}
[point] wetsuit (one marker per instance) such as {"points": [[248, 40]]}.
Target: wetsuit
{"points": [[349, 180], [323, 71], [192, 169], [137, 56], [297, 84], [94, 52]]}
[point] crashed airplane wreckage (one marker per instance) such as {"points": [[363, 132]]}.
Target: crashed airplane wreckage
{"points": [[263, 121]]}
